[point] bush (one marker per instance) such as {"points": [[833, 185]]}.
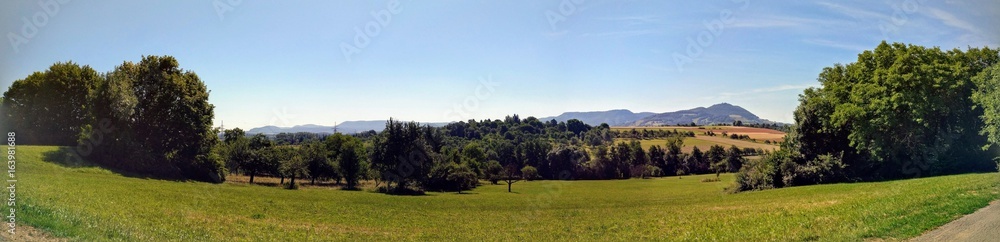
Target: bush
{"points": [[450, 176], [652, 171], [711, 179], [529, 173], [400, 190], [761, 174], [463, 178], [494, 171]]}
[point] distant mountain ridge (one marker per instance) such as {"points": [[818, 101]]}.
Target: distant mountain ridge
{"points": [[345, 127], [723, 113], [715, 114], [617, 117]]}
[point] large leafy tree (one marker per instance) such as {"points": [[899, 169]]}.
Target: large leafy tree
{"points": [[161, 119], [259, 157], [235, 148], [400, 155], [899, 111], [51, 107], [987, 97], [318, 162], [351, 161]]}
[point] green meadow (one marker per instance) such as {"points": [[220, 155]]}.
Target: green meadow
{"points": [[86, 203]]}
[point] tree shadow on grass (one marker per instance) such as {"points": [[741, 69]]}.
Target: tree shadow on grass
{"points": [[67, 157]]}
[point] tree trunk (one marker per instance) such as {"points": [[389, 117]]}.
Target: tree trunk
{"points": [[313, 182], [251, 177], [291, 184], [508, 186], [282, 180]]}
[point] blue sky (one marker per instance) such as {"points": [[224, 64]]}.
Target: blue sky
{"points": [[283, 62]]}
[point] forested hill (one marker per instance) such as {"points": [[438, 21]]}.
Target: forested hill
{"points": [[722, 113], [715, 114], [617, 117]]}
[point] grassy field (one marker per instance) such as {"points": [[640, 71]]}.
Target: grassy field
{"points": [[92, 204], [703, 143], [759, 134]]}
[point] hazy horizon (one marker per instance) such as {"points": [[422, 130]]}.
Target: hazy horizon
{"points": [[286, 64]]}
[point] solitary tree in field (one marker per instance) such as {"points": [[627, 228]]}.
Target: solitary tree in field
{"points": [[349, 162], [511, 175]]}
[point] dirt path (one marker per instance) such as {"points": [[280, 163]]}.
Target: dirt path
{"points": [[982, 225], [27, 233]]}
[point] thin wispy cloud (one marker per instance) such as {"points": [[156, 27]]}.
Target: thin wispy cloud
{"points": [[781, 22], [625, 33], [853, 12], [766, 23], [761, 91], [951, 20], [556, 33], [634, 20], [837, 44]]}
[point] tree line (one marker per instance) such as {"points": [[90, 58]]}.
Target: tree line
{"points": [[410, 158], [899, 111]]}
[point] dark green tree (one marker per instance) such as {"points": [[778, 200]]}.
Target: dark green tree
{"points": [[318, 162], [162, 121], [987, 97], [734, 159], [350, 162], [259, 157], [52, 107], [494, 171], [529, 173]]}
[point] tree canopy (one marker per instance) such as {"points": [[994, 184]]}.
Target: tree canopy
{"points": [[898, 111]]}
